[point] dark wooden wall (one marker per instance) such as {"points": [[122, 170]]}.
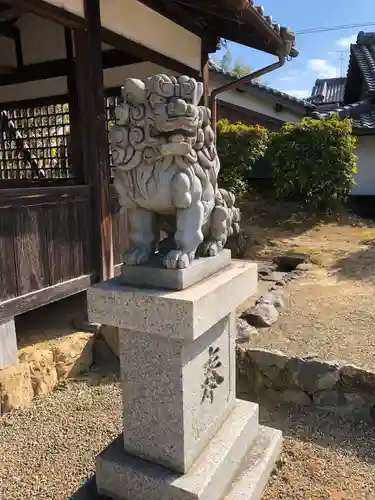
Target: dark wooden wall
{"points": [[45, 238]]}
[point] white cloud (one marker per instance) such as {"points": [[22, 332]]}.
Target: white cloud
{"points": [[287, 78], [300, 94], [344, 43], [322, 68]]}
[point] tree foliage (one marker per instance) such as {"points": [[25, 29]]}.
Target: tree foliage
{"points": [[240, 69], [313, 161], [239, 146]]}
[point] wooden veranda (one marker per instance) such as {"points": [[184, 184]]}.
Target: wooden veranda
{"points": [[62, 64]]}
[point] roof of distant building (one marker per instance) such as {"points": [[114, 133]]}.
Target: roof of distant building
{"points": [[213, 66], [358, 100], [332, 90]]}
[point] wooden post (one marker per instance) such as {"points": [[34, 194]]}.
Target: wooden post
{"points": [[74, 141], [94, 134], [205, 73], [8, 344]]}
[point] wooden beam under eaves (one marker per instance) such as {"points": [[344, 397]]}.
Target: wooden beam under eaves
{"points": [[61, 67]]}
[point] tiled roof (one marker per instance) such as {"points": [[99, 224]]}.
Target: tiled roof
{"points": [[364, 53], [213, 66], [238, 20], [332, 90], [362, 114], [359, 93], [282, 31]]}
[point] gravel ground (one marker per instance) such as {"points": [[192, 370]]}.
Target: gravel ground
{"points": [[47, 451], [327, 458], [327, 317]]}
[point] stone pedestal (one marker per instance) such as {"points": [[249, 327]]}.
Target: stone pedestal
{"points": [[185, 434]]}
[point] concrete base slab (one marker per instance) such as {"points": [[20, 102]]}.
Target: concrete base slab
{"points": [[252, 477], [153, 275], [239, 443]]}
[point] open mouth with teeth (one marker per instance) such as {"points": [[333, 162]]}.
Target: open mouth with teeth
{"points": [[186, 127]]}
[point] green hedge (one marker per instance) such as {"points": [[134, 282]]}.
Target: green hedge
{"points": [[239, 146], [313, 161]]}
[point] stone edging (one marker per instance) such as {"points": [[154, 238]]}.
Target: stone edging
{"points": [[346, 389]]}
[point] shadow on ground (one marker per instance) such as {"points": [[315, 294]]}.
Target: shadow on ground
{"points": [[265, 222], [358, 265], [50, 322], [87, 492], [322, 428]]}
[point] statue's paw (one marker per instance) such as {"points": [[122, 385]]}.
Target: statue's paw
{"points": [[211, 248], [177, 259], [137, 256]]}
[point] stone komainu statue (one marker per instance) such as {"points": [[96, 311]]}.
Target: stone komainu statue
{"points": [[166, 172]]}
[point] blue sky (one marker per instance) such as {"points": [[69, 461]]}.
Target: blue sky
{"points": [[318, 56]]}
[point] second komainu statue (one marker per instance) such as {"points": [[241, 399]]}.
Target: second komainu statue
{"points": [[166, 172]]}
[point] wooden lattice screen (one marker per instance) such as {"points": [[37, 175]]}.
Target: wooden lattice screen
{"points": [[45, 130]]}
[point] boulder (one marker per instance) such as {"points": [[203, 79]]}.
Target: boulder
{"points": [[42, 370], [277, 297], [288, 396], [263, 314], [16, 390], [250, 381], [266, 267], [353, 377], [245, 332], [269, 363], [329, 399], [309, 375], [273, 276], [73, 355], [356, 406], [315, 375]]}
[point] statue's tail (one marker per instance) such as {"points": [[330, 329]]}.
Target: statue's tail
{"points": [[236, 240], [227, 199]]}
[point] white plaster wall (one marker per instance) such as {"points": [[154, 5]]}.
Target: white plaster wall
{"points": [[365, 178], [33, 90], [113, 77], [258, 104], [42, 40], [143, 25], [74, 6]]}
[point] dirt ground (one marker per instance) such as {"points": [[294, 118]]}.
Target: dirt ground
{"points": [[331, 311], [340, 241]]}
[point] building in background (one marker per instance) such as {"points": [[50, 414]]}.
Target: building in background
{"points": [[256, 103], [354, 97]]}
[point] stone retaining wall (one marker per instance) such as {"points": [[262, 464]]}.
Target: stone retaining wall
{"points": [[347, 389], [42, 367]]}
